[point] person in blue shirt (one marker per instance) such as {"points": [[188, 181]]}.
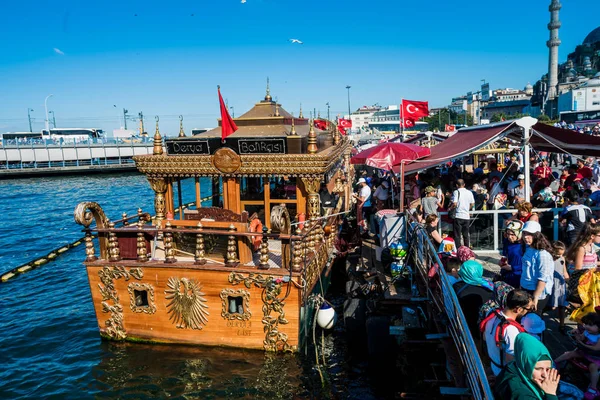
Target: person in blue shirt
{"points": [[512, 252]]}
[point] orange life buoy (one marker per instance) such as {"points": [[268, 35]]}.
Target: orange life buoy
{"points": [[256, 226]]}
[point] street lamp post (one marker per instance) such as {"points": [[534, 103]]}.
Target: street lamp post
{"points": [[46, 109], [232, 112], [348, 87], [327, 111], [125, 118], [53, 119], [29, 118]]}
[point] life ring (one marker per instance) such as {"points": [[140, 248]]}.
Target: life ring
{"points": [[256, 226]]}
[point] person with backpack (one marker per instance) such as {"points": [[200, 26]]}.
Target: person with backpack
{"points": [[500, 328]]}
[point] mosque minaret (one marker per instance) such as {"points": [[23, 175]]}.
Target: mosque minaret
{"points": [[553, 44]]}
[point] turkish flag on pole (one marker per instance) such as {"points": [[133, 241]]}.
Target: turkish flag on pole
{"points": [[342, 130], [345, 123], [408, 123], [227, 124], [415, 109], [321, 124]]}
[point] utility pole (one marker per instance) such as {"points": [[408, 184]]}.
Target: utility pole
{"points": [[53, 119], [46, 109], [125, 118], [348, 87], [232, 112], [327, 111], [142, 131], [29, 118]]}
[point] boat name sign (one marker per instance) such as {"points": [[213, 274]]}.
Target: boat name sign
{"points": [[188, 147], [262, 146], [193, 146]]}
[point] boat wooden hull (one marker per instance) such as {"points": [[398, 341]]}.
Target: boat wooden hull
{"points": [[157, 302]]}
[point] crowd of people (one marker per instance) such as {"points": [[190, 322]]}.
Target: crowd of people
{"points": [[587, 129], [538, 277]]}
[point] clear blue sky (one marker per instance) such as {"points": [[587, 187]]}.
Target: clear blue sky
{"points": [[166, 58]]}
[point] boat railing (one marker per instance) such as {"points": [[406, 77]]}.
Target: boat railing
{"points": [[440, 292], [130, 238]]}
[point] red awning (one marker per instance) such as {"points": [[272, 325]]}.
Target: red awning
{"points": [[462, 143], [386, 155], [551, 139]]}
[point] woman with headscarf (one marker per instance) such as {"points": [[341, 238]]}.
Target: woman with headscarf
{"points": [[465, 254], [530, 375], [472, 291]]}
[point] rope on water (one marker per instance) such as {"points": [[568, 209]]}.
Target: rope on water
{"points": [[54, 254]]}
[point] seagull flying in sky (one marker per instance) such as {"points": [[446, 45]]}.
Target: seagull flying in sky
{"points": [[296, 41]]}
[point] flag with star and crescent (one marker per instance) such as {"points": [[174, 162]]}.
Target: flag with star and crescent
{"points": [[415, 110]]}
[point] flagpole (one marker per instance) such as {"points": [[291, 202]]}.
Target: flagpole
{"points": [[401, 185], [402, 118]]}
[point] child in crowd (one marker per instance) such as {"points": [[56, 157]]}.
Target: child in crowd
{"points": [[464, 254], [561, 275], [452, 267], [534, 325], [588, 340], [512, 252]]}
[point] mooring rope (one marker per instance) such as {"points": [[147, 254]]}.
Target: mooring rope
{"points": [[54, 254]]}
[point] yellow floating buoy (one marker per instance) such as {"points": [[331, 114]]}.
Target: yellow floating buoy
{"points": [[6, 277], [62, 250], [52, 256], [77, 243], [24, 268], [40, 261]]}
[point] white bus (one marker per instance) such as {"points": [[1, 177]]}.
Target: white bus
{"points": [[70, 135]]}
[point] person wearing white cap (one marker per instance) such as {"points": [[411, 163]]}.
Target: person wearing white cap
{"points": [[520, 191], [537, 276], [364, 207], [381, 194]]}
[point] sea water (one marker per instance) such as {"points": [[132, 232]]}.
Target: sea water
{"points": [[49, 341]]}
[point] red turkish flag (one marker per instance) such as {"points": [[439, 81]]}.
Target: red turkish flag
{"points": [[341, 130], [321, 124], [345, 123], [408, 123], [227, 124], [414, 109], [450, 128]]}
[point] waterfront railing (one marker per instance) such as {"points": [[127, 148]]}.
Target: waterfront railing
{"points": [[15, 156], [487, 226], [442, 296]]}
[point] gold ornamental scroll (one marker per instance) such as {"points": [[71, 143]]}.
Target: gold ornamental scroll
{"points": [[159, 185]]}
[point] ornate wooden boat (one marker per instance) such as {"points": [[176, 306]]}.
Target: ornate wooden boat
{"points": [[208, 274]]}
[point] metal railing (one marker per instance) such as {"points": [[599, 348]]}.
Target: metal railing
{"points": [[125, 161], [486, 226], [440, 291], [42, 154]]}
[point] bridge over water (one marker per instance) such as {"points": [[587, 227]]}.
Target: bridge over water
{"points": [[20, 160]]}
